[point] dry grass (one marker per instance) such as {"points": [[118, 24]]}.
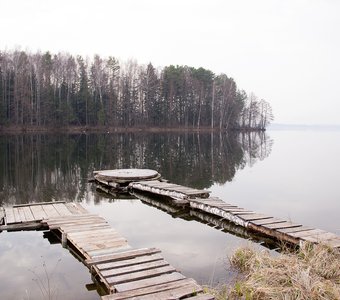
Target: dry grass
{"points": [[312, 273]]}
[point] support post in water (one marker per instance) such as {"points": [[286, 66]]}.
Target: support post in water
{"points": [[64, 239]]}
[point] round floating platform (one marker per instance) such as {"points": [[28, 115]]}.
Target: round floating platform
{"points": [[127, 175]]}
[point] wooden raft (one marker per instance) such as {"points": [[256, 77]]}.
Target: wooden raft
{"points": [[126, 273]]}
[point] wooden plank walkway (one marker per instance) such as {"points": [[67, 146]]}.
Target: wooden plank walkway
{"points": [[199, 200], [269, 226], [168, 189], [279, 229], [126, 273], [29, 216]]}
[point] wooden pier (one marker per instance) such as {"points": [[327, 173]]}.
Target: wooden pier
{"points": [[124, 272], [199, 200], [279, 229], [174, 191]]}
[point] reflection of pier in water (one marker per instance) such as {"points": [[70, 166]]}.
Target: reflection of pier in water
{"points": [[184, 212]]}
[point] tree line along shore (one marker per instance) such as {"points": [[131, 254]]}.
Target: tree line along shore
{"points": [[45, 90]]}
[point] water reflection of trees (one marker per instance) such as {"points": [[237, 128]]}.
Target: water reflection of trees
{"points": [[57, 167]]}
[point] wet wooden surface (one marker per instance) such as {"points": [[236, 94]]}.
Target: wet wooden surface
{"points": [[168, 189]]}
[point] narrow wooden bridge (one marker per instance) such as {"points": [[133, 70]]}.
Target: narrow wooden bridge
{"points": [[199, 200], [125, 272]]}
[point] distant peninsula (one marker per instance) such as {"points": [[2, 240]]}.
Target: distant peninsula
{"points": [[43, 91]]}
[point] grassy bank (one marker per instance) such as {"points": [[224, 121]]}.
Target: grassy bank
{"points": [[313, 272]]}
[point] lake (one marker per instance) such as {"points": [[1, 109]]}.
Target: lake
{"points": [[288, 173]]}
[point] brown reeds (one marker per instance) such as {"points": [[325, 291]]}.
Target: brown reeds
{"points": [[313, 273]]}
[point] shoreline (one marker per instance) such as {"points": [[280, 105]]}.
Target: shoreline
{"points": [[4, 130]]}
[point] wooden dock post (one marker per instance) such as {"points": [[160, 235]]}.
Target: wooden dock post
{"points": [[64, 239]]}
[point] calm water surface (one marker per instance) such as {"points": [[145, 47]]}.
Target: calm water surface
{"points": [[290, 174]]}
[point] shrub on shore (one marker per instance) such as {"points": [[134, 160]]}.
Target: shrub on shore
{"points": [[313, 273]]}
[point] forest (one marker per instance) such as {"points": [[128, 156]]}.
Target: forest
{"points": [[45, 90]]}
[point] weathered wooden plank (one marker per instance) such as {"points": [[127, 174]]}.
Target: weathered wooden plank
{"points": [[214, 202], [75, 209], [20, 212], [28, 213], [91, 238], [122, 256], [72, 227], [17, 215], [80, 208], [140, 275], [171, 192], [104, 248], [186, 189], [134, 268], [10, 218], [219, 204], [76, 221], [149, 290], [129, 262], [82, 217], [320, 238], [107, 251], [267, 221], [254, 216], [295, 229], [95, 232], [159, 184], [94, 241], [241, 212], [93, 244], [236, 210], [84, 228], [22, 226], [50, 211], [174, 294], [62, 209], [38, 212], [143, 283], [220, 213], [307, 233], [37, 203], [282, 225], [72, 217], [98, 246], [93, 220]]}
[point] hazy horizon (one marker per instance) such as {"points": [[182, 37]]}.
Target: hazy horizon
{"points": [[284, 52]]}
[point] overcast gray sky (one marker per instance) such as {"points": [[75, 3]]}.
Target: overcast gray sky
{"points": [[285, 51]]}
